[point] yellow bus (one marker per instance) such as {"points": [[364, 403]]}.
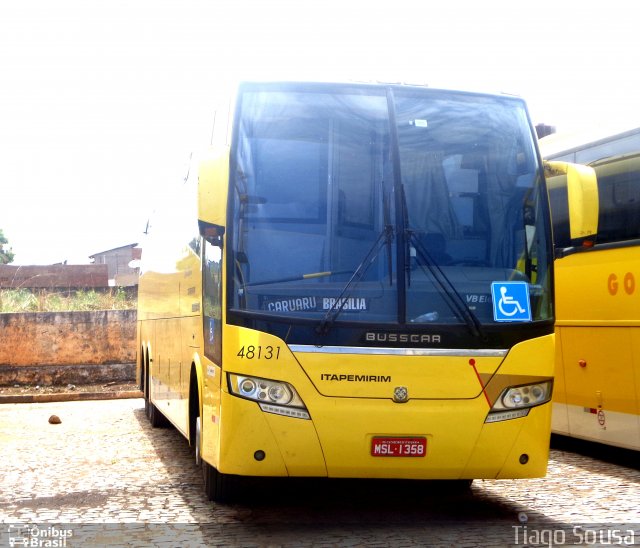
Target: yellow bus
{"points": [[597, 390], [356, 283]]}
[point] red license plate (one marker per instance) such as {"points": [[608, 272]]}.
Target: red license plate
{"points": [[398, 447]]}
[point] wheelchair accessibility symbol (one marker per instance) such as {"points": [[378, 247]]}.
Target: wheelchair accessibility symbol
{"points": [[511, 302]]}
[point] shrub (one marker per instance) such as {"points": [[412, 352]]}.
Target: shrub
{"points": [[55, 300]]}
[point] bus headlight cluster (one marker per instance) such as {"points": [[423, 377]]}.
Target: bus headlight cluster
{"points": [[526, 396], [516, 401], [273, 396]]}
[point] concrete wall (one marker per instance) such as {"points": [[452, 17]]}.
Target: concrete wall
{"points": [[62, 340]]}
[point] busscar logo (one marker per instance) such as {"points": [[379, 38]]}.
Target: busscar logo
{"points": [[411, 338]]}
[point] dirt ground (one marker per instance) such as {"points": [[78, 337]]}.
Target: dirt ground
{"points": [[26, 390]]}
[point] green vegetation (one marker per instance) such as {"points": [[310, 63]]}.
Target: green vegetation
{"points": [[6, 254], [44, 300]]}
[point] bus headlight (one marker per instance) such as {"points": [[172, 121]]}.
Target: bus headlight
{"points": [[273, 396], [516, 401]]}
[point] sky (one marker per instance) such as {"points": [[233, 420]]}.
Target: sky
{"points": [[102, 102]]}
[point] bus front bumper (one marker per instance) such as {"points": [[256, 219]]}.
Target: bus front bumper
{"points": [[338, 440]]}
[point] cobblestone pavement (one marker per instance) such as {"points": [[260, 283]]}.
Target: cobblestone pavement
{"points": [[105, 477]]}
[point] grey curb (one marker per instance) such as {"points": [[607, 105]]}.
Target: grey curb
{"points": [[71, 396]]}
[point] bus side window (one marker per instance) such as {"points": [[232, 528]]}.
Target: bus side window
{"points": [[212, 301]]}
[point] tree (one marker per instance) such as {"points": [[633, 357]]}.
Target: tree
{"points": [[6, 255]]}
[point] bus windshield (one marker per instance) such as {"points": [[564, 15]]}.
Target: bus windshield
{"points": [[383, 204]]}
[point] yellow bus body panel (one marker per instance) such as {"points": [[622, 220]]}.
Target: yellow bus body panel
{"points": [[428, 376], [213, 179], [597, 393], [211, 398], [336, 442], [582, 191]]}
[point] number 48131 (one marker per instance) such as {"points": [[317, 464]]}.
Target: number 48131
{"points": [[259, 352]]}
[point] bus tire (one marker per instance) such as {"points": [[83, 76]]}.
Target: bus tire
{"points": [[195, 422], [144, 381], [198, 442], [216, 485], [143, 372], [156, 418]]}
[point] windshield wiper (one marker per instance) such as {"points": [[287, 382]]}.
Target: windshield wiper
{"points": [[299, 277], [384, 240], [448, 290]]}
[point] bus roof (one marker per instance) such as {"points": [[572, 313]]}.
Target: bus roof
{"points": [[408, 84], [558, 144]]}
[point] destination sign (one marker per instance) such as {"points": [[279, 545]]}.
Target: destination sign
{"points": [[313, 304]]}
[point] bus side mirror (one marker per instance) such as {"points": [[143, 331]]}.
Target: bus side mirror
{"points": [[213, 184], [582, 195], [214, 234]]}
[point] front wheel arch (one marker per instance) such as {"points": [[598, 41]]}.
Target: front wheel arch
{"points": [[217, 486]]}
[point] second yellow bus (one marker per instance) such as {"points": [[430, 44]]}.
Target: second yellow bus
{"points": [[597, 390]]}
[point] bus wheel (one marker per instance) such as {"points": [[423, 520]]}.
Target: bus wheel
{"points": [[145, 388], [197, 442], [216, 485], [156, 418]]}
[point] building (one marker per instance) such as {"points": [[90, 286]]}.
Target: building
{"points": [[118, 261]]}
